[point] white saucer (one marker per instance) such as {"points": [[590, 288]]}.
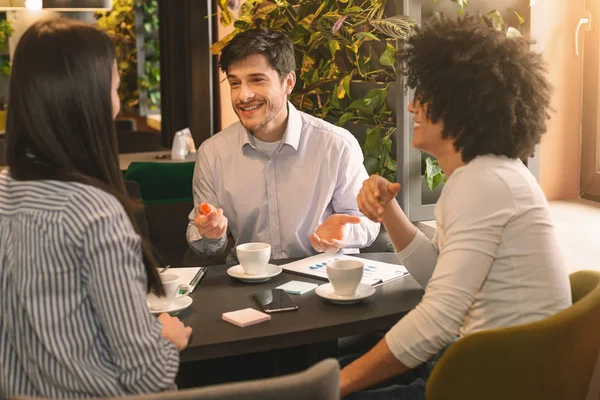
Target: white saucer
{"points": [[179, 304], [362, 292], [237, 272]]}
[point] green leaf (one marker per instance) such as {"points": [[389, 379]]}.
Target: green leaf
{"points": [[392, 165], [371, 165], [512, 32], [521, 19], [462, 4], [496, 18], [353, 10], [341, 91], [299, 35], [240, 24], [361, 107], [346, 83], [315, 37], [226, 18], [375, 98], [334, 47], [366, 35], [245, 9], [218, 46], [373, 145], [307, 63], [335, 101], [264, 8], [386, 143], [388, 57], [433, 173], [347, 116], [307, 21], [279, 22]]}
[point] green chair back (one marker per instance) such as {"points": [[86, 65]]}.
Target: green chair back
{"points": [[162, 182], [552, 359], [166, 191]]}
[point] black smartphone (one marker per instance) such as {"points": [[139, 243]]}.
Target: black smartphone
{"points": [[275, 300]]}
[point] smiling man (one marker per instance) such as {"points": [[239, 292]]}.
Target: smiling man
{"points": [[277, 176]]}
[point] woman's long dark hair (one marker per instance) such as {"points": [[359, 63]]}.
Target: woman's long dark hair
{"points": [[60, 120]]}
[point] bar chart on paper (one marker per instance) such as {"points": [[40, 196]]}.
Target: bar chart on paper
{"points": [[375, 272]]}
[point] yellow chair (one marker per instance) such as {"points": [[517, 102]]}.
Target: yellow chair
{"points": [[552, 359]]}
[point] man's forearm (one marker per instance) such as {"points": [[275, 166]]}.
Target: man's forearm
{"points": [[376, 366], [398, 226], [203, 246]]}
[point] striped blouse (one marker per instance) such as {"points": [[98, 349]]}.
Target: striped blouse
{"points": [[73, 315]]}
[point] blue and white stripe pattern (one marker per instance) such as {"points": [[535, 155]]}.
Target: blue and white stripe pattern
{"points": [[73, 315]]}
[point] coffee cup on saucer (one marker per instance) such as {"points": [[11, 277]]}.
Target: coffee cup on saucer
{"points": [[172, 285], [345, 275], [253, 257]]}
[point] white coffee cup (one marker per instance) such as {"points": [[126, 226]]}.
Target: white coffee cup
{"points": [[172, 286], [254, 257], [345, 275]]}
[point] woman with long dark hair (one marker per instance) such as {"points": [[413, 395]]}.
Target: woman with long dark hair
{"points": [[74, 272]]}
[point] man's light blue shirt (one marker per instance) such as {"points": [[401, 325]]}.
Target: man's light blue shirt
{"points": [[317, 171]]}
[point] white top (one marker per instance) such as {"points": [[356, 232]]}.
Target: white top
{"points": [[267, 148], [315, 172], [493, 262]]}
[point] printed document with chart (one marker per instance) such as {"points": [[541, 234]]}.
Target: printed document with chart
{"points": [[375, 273]]}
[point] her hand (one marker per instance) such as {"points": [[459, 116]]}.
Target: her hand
{"points": [[374, 195], [174, 331]]}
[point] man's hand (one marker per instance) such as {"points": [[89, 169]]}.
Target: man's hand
{"points": [[210, 221], [329, 236], [174, 331], [375, 193]]}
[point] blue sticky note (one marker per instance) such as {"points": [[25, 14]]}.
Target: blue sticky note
{"points": [[297, 287]]}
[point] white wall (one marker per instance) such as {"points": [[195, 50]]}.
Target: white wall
{"points": [[23, 19], [553, 25]]}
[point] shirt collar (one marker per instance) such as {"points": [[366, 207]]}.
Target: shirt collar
{"points": [[291, 135]]}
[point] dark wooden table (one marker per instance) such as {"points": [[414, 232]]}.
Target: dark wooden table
{"points": [[316, 320]]}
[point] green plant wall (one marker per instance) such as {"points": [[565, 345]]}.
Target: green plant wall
{"points": [[149, 81], [121, 22], [337, 43]]}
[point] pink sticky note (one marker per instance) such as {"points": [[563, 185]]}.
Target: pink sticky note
{"points": [[245, 317]]}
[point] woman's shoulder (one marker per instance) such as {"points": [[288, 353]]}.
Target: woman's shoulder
{"points": [[53, 193], [492, 172], [91, 203]]}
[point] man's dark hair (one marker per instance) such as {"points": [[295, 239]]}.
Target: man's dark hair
{"points": [[489, 90], [275, 46]]}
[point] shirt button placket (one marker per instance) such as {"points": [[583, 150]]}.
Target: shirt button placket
{"points": [[273, 210]]}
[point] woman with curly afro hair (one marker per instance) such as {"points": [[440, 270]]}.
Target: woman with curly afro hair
{"points": [[481, 104]]}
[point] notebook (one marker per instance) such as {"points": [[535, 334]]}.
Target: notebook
{"points": [[245, 317], [297, 287], [189, 275]]}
